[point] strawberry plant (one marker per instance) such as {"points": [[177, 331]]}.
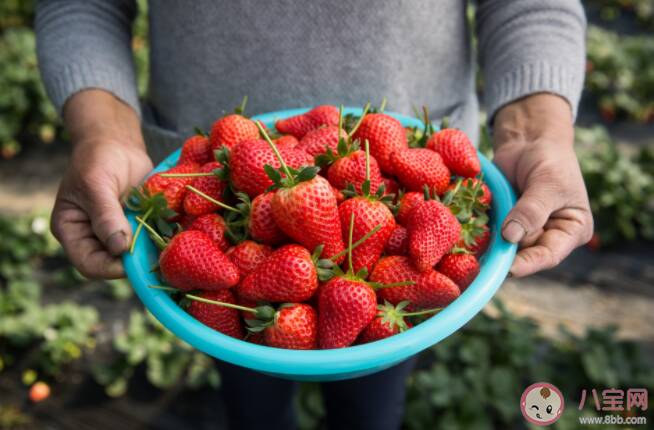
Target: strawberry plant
{"points": [[620, 74]]}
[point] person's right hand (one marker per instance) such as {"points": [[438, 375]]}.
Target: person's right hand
{"points": [[108, 158]]}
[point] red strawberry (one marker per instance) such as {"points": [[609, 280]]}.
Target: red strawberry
{"points": [[408, 202], [431, 289], [398, 242], [213, 186], [192, 261], [295, 326], [340, 197], [345, 307], [197, 150], [351, 169], [223, 319], [287, 275], [213, 226], [368, 213], [231, 130], [300, 125], [248, 158], [417, 167], [316, 142], [286, 141], [388, 322], [459, 155], [308, 213], [461, 268], [247, 255], [173, 189], [432, 230], [262, 226], [385, 135], [257, 338]]}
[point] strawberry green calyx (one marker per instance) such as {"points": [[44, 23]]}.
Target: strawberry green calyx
{"points": [[395, 316], [142, 202], [159, 241], [464, 200], [291, 176], [418, 138], [379, 195], [240, 109]]}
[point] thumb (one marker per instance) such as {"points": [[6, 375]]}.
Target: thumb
{"points": [[108, 219], [529, 215]]}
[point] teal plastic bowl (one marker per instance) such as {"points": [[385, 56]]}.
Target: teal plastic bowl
{"points": [[335, 364]]}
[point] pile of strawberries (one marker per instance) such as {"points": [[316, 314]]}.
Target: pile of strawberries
{"points": [[328, 231]]}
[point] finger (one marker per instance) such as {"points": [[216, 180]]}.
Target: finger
{"points": [[550, 249], [531, 238], [529, 215], [73, 229], [107, 217]]}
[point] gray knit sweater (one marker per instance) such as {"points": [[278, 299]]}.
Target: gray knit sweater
{"points": [[205, 55]]}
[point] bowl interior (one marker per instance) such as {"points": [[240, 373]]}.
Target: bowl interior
{"points": [[323, 365]]}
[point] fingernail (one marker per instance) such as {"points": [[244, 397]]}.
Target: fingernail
{"points": [[513, 231], [117, 243]]}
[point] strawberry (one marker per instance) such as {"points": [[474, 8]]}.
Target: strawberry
{"points": [[185, 220], [289, 274], [286, 141], [462, 268], [213, 186], [468, 198], [419, 167], [295, 326], [223, 319], [388, 322], [196, 149], [459, 155], [307, 212], [345, 307], [340, 197], [261, 225], [431, 289], [39, 392], [247, 255], [213, 226], [432, 230], [231, 130], [351, 169], [368, 213], [385, 135], [192, 261], [316, 142], [247, 161], [398, 242], [173, 189], [408, 201], [300, 125]]}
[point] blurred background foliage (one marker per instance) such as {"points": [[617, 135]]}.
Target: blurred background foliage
{"points": [[45, 333]]}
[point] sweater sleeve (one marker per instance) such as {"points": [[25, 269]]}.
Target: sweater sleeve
{"points": [[86, 44], [531, 46]]}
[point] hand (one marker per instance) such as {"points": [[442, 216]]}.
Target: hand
{"points": [[108, 158], [534, 140]]}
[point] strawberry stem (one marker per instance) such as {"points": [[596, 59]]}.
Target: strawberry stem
{"points": [[424, 312], [211, 199], [382, 106], [394, 284], [367, 145], [157, 237], [340, 120], [349, 244], [216, 302], [163, 288], [139, 228], [276, 151], [241, 109], [358, 242], [356, 126], [186, 175]]}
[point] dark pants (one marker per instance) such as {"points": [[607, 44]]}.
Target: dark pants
{"points": [[256, 401]]}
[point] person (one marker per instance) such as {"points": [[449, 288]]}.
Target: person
{"points": [[206, 55]]}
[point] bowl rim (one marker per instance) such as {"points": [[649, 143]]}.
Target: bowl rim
{"points": [[495, 265]]}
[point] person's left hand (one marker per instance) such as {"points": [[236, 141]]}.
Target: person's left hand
{"points": [[533, 139]]}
